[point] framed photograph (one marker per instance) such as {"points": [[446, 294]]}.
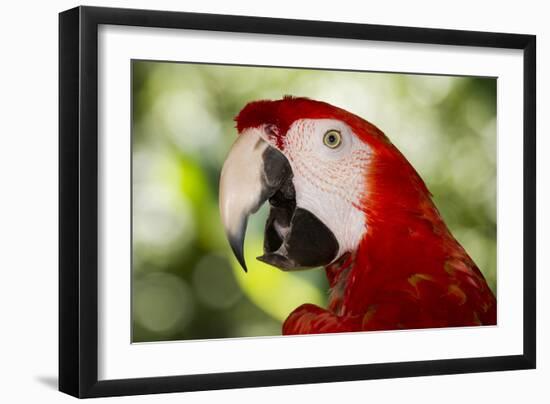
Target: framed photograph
{"points": [[251, 201]]}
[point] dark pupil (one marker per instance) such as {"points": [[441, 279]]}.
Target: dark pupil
{"points": [[331, 138]]}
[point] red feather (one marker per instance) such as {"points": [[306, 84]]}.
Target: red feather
{"points": [[408, 271], [282, 113]]}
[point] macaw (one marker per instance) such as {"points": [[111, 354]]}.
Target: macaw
{"points": [[343, 197]]}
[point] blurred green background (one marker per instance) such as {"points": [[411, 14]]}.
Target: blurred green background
{"points": [[186, 284]]}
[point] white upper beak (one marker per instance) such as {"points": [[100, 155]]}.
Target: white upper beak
{"points": [[242, 189]]}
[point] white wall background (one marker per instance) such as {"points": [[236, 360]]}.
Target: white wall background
{"points": [[28, 199]]}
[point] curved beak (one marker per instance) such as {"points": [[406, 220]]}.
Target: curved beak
{"points": [[251, 174]]}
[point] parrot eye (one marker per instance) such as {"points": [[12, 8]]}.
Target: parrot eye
{"points": [[332, 139]]}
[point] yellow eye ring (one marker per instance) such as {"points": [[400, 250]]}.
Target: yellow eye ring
{"points": [[332, 139]]}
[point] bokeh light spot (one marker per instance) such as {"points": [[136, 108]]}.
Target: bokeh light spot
{"points": [[162, 303], [214, 282]]}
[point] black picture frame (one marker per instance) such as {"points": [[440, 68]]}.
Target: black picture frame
{"points": [[78, 200]]}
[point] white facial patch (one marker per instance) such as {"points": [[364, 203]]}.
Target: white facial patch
{"points": [[330, 182]]}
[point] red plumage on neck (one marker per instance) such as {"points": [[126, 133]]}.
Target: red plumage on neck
{"points": [[408, 271]]}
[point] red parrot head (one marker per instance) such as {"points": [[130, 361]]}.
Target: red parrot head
{"points": [[329, 176]]}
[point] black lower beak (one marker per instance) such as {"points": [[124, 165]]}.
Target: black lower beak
{"points": [[295, 238]]}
